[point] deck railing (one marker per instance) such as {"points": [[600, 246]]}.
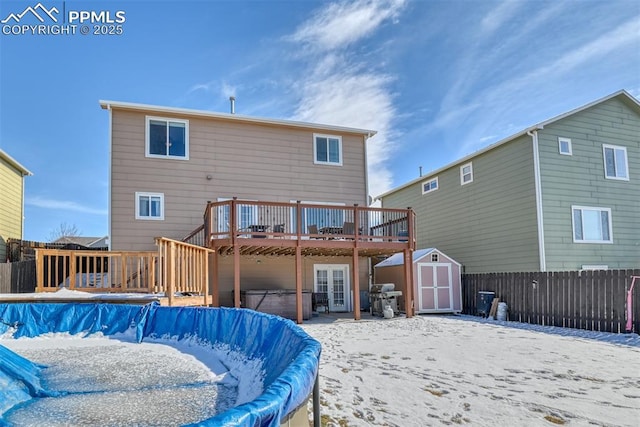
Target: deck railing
{"points": [[95, 271], [237, 219], [183, 269]]}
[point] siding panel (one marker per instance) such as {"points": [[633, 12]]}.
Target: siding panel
{"points": [[11, 182]]}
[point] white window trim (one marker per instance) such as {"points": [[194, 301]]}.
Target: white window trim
{"points": [[626, 161], [591, 208], [568, 141], [315, 150], [166, 119], [431, 189], [462, 182], [149, 218]]}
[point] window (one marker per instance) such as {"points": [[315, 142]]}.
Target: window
{"points": [[434, 257], [429, 186], [167, 138], [615, 162], [591, 225], [466, 174], [564, 146], [327, 149], [150, 206]]}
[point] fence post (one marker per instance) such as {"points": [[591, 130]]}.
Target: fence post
{"points": [[39, 271], [72, 270]]}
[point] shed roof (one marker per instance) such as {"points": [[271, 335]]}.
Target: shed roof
{"points": [[107, 105], [398, 259], [13, 162], [622, 95]]}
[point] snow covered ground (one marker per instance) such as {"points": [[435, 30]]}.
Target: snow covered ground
{"points": [[462, 370]]}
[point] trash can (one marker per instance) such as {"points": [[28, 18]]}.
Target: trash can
{"points": [[483, 304]]}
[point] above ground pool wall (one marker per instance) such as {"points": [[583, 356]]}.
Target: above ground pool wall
{"points": [[291, 356]]}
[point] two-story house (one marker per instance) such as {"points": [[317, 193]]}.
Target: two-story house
{"points": [[563, 194], [12, 176], [282, 203]]}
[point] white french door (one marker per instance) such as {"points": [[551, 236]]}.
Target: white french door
{"points": [[333, 279]]}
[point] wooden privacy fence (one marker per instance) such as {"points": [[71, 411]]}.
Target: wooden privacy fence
{"points": [[592, 300], [184, 269], [17, 277]]}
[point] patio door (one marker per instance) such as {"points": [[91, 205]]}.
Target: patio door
{"points": [[434, 287], [334, 281]]}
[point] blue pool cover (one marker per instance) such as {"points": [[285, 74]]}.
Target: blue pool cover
{"points": [[291, 357]]}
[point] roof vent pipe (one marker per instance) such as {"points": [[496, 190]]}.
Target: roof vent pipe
{"points": [[232, 99], [420, 168]]}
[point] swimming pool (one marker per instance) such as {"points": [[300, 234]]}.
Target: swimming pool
{"points": [[289, 357]]}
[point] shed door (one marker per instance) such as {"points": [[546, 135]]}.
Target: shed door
{"points": [[434, 287]]}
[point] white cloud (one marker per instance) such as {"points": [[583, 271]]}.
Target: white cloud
{"points": [[66, 205], [498, 16], [337, 89], [340, 24]]}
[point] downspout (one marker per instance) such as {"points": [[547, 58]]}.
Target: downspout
{"points": [[538, 187], [110, 172]]}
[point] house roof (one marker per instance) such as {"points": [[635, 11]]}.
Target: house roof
{"points": [[13, 162], [79, 240], [623, 95], [107, 105]]}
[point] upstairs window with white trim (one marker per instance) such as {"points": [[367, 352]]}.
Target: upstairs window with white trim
{"points": [[167, 138], [615, 162], [150, 206], [564, 146], [429, 186], [327, 149], [466, 173], [591, 225]]}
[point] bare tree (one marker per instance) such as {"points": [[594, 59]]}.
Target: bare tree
{"points": [[64, 230]]}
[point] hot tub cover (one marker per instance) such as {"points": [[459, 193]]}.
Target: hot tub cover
{"points": [[290, 355]]}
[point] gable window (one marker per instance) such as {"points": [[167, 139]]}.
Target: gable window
{"points": [[327, 149], [150, 206], [167, 138], [564, 146], [615, 162], [429, 186], [434, 257], [591, 225], [466, 174]]}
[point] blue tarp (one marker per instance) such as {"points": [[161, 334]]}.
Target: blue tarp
{"points": [[291, 357]]}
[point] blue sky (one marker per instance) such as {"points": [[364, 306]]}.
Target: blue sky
{"points": [[437, 79]]}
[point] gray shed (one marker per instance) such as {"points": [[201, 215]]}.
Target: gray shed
{"points": [[437, 280]]}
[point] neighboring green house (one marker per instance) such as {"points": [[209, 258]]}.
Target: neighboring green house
{"points": [[561, 195], [12, 176]]}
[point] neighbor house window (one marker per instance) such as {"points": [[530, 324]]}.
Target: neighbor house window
{"points": [[150, 206], [430, 185], [466, 174], [615, 162], [564, 146], [327, 149], [167, 138], [591, 225]]}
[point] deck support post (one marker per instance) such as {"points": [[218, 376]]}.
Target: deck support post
{"points": [[236, 275], [355, 274], [215, 284], [408, 282], [299, 313]]}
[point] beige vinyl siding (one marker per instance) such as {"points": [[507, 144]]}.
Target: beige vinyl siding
{"points": [[11, 182], [250, 161], [273, 272], [488, 225], [579, 180]]}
